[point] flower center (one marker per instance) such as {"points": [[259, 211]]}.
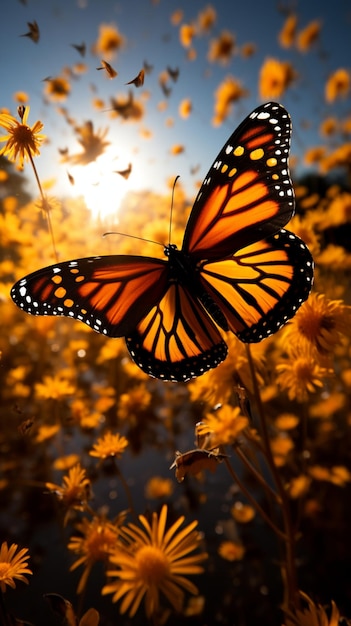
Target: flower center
{"points": [[153, 565]]}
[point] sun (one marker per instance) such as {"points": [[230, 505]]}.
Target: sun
{"points": [[101, 185]]}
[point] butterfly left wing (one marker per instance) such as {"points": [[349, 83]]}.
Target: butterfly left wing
{"points": [[247, 194], [262, 286], [109, 293], [176, 340]]}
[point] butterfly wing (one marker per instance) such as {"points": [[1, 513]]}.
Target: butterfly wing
{"points": [[110, 294], [260, 287], [176, 340], [247, 194]]}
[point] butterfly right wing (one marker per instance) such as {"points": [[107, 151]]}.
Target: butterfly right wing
{"points": [[110, 294]]}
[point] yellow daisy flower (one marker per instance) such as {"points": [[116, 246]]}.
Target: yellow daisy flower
{"points": [[75, 489], [338, 85], [109, 445], [275, 78], [22, 141], [13, 566], [96, 539], [318, 324], [225, 425], [152, 560], [300, 375], [312, 614]]}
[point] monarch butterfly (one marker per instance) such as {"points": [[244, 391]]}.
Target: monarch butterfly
{"points": [[237, 270]]}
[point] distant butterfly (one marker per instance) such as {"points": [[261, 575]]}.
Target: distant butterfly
{"points": [[237, 270]]}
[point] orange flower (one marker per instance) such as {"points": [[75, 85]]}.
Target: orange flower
{"points": [[337, 85], [275, 77]]}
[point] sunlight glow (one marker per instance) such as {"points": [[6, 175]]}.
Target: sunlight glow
{"points": [[102, 188]]}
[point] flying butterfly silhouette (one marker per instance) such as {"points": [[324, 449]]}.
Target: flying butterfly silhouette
{"points": [[238, 268]]}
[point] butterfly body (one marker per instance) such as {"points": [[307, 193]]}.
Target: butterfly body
{"points": [[238, 269]]}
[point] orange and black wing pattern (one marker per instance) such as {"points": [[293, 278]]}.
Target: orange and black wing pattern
{"points": [[176, 340], [109, 293], [260, 287], [247, 194]]}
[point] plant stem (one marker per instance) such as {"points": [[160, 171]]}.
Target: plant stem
{"points": [[291, 599], [45, 204]]}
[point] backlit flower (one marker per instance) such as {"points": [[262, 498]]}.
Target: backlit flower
{"points": [[318, 325], [109, 41], [227, 93], [186, 34], [109, 444], [93, 144], [96, 539], [22, 141], [224, 426], [222, 49], [308, 36], [338, 85], [275, 77], [287, 34], [158, 487], [231, 551], [57, 89], [132, 403], [206, 19], [13, 565], [54, 387], [153, 561], [313, 614], [300, 375], [75, 489]]}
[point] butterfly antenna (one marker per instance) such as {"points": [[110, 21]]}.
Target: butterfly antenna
{"points": [[113, 232], [171, 215]]}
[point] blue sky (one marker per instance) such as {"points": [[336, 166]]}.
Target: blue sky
{"points": [[151, 37]]}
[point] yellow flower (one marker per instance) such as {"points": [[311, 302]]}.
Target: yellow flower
{"points": [[308, 36], [275, 77], [222, 49], [328, 127], [287, 34], [299, 486], [318, 325], [225, 425], [109, 445], [54, 387], [229, 91], [337, 85], [152, 560], [206, 19], [93, 144], [300, 375], [96, 539], [185, 108], [312, 614], [281, 446], [75, 489], [109, 41], [158, 487], [186, 35], [13, 566], [46, 432], [57, 89], [130, 404], [231, 551], [22, 141]]}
